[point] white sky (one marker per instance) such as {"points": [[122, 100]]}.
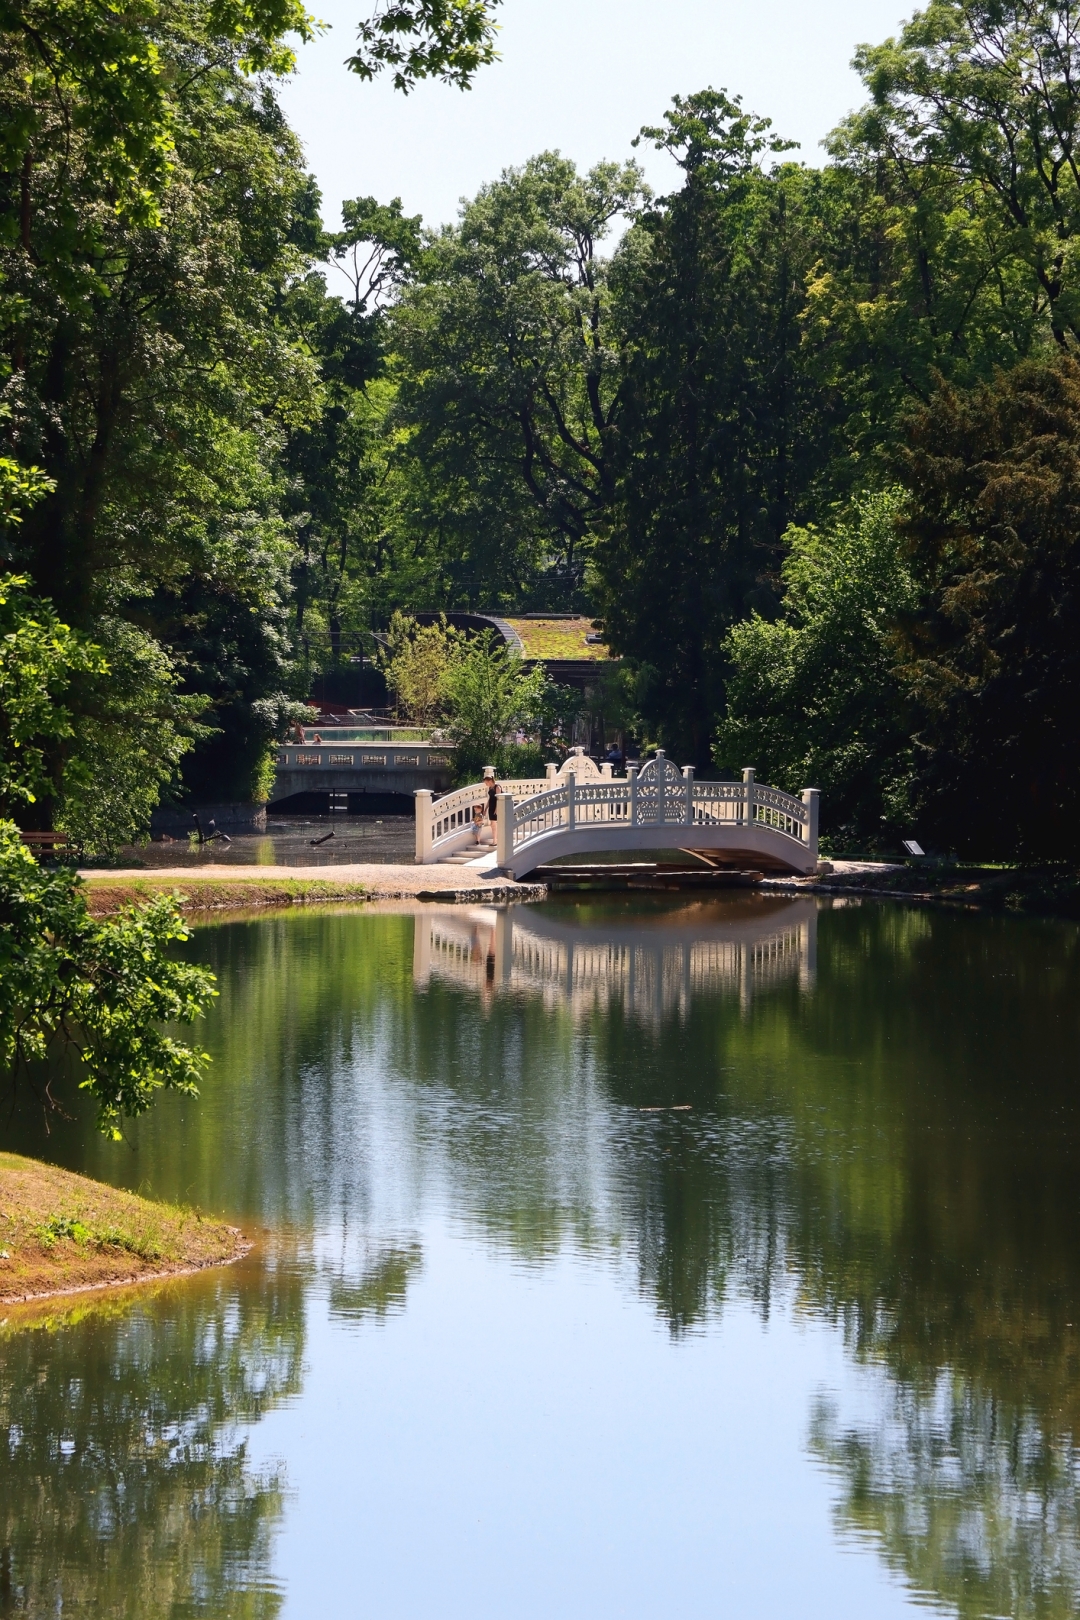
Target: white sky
{"points": [[578, 75]]}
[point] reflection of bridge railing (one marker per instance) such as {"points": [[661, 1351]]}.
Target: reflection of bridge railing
{"points": [[653, 965]]}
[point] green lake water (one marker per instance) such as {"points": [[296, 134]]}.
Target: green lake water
{"points": [[695, 1258]]}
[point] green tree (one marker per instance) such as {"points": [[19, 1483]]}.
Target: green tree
{"points": [[38, 657], [420, 658], [130, 730], [104, 989], [987, 91], [490, 695], [155, 218], [147, 373], [340, 497], [420, 39], [992, 656], [717, 439], [508, 384], [813, 698]]}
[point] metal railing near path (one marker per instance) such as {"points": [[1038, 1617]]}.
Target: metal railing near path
{"points": [[581, 809]]}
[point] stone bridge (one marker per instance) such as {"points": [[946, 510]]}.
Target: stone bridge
{"points": [[583, 810], [351, 767]]}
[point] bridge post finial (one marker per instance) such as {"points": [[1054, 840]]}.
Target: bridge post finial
{"points": [[811, 797], [551, 771], [748, 806], [423, 798]]}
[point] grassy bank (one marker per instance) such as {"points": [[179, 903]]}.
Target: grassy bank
{"points": [[240, 888], [60, 1232], [105, 895], [1045, 891]]}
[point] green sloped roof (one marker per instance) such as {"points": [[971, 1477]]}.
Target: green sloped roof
{"points": [[559, 638]]}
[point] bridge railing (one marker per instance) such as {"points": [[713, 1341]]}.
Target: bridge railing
{"points": [[445, 825], [353, 755], [580, 795], [659, 795]]}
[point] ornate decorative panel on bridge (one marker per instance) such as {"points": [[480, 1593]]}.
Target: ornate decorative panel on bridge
{"points": [[661, 793]]}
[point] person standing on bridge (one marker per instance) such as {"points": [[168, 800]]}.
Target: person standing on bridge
{"points": [[493, 799]]}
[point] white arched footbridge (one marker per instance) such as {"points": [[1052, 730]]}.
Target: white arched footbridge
{"points": [[583, 810]]}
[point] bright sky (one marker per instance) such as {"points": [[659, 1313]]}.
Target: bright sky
{"points": [[578, 75]]}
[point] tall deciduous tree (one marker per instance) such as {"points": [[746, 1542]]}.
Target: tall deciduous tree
{"points": [[509, 383], [716, 439], [154, 218], [813, 697], [987, 90]]}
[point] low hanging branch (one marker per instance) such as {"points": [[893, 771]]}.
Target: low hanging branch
{"points": [[104, 989]]}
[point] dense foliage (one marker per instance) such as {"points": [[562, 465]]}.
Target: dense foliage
{"points": [[480, 693], [814, 694], [992, 656], [103, 989], [163, 353]]}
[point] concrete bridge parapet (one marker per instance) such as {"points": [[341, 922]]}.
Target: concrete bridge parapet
{"points": [[362, 767]]}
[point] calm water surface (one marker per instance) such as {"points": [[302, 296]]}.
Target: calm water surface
{"points": [[289, 841], [689, 1259]]}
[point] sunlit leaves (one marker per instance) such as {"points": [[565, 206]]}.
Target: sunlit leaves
{"points": [[422, 39], [105, 989]]}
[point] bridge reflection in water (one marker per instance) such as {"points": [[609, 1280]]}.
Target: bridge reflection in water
{"points": [[653, 961]]}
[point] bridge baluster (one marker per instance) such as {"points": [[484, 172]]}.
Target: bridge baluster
{"points": [[688, 773], [748, 808], [811, 797], [424, 818]]}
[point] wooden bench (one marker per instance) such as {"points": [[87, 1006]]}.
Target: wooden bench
{"points": [[47, 843]]}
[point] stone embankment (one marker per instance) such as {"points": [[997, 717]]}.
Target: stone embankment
{"points": [[1039, 891]]}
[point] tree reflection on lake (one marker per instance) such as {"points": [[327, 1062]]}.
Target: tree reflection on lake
{"points": [[856, 1116], [125, 1485]]}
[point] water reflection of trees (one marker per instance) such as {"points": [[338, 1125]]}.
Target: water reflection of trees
{"points": [[125, 1483], [971, 1499], [889, 1142], [896, 1153]]}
